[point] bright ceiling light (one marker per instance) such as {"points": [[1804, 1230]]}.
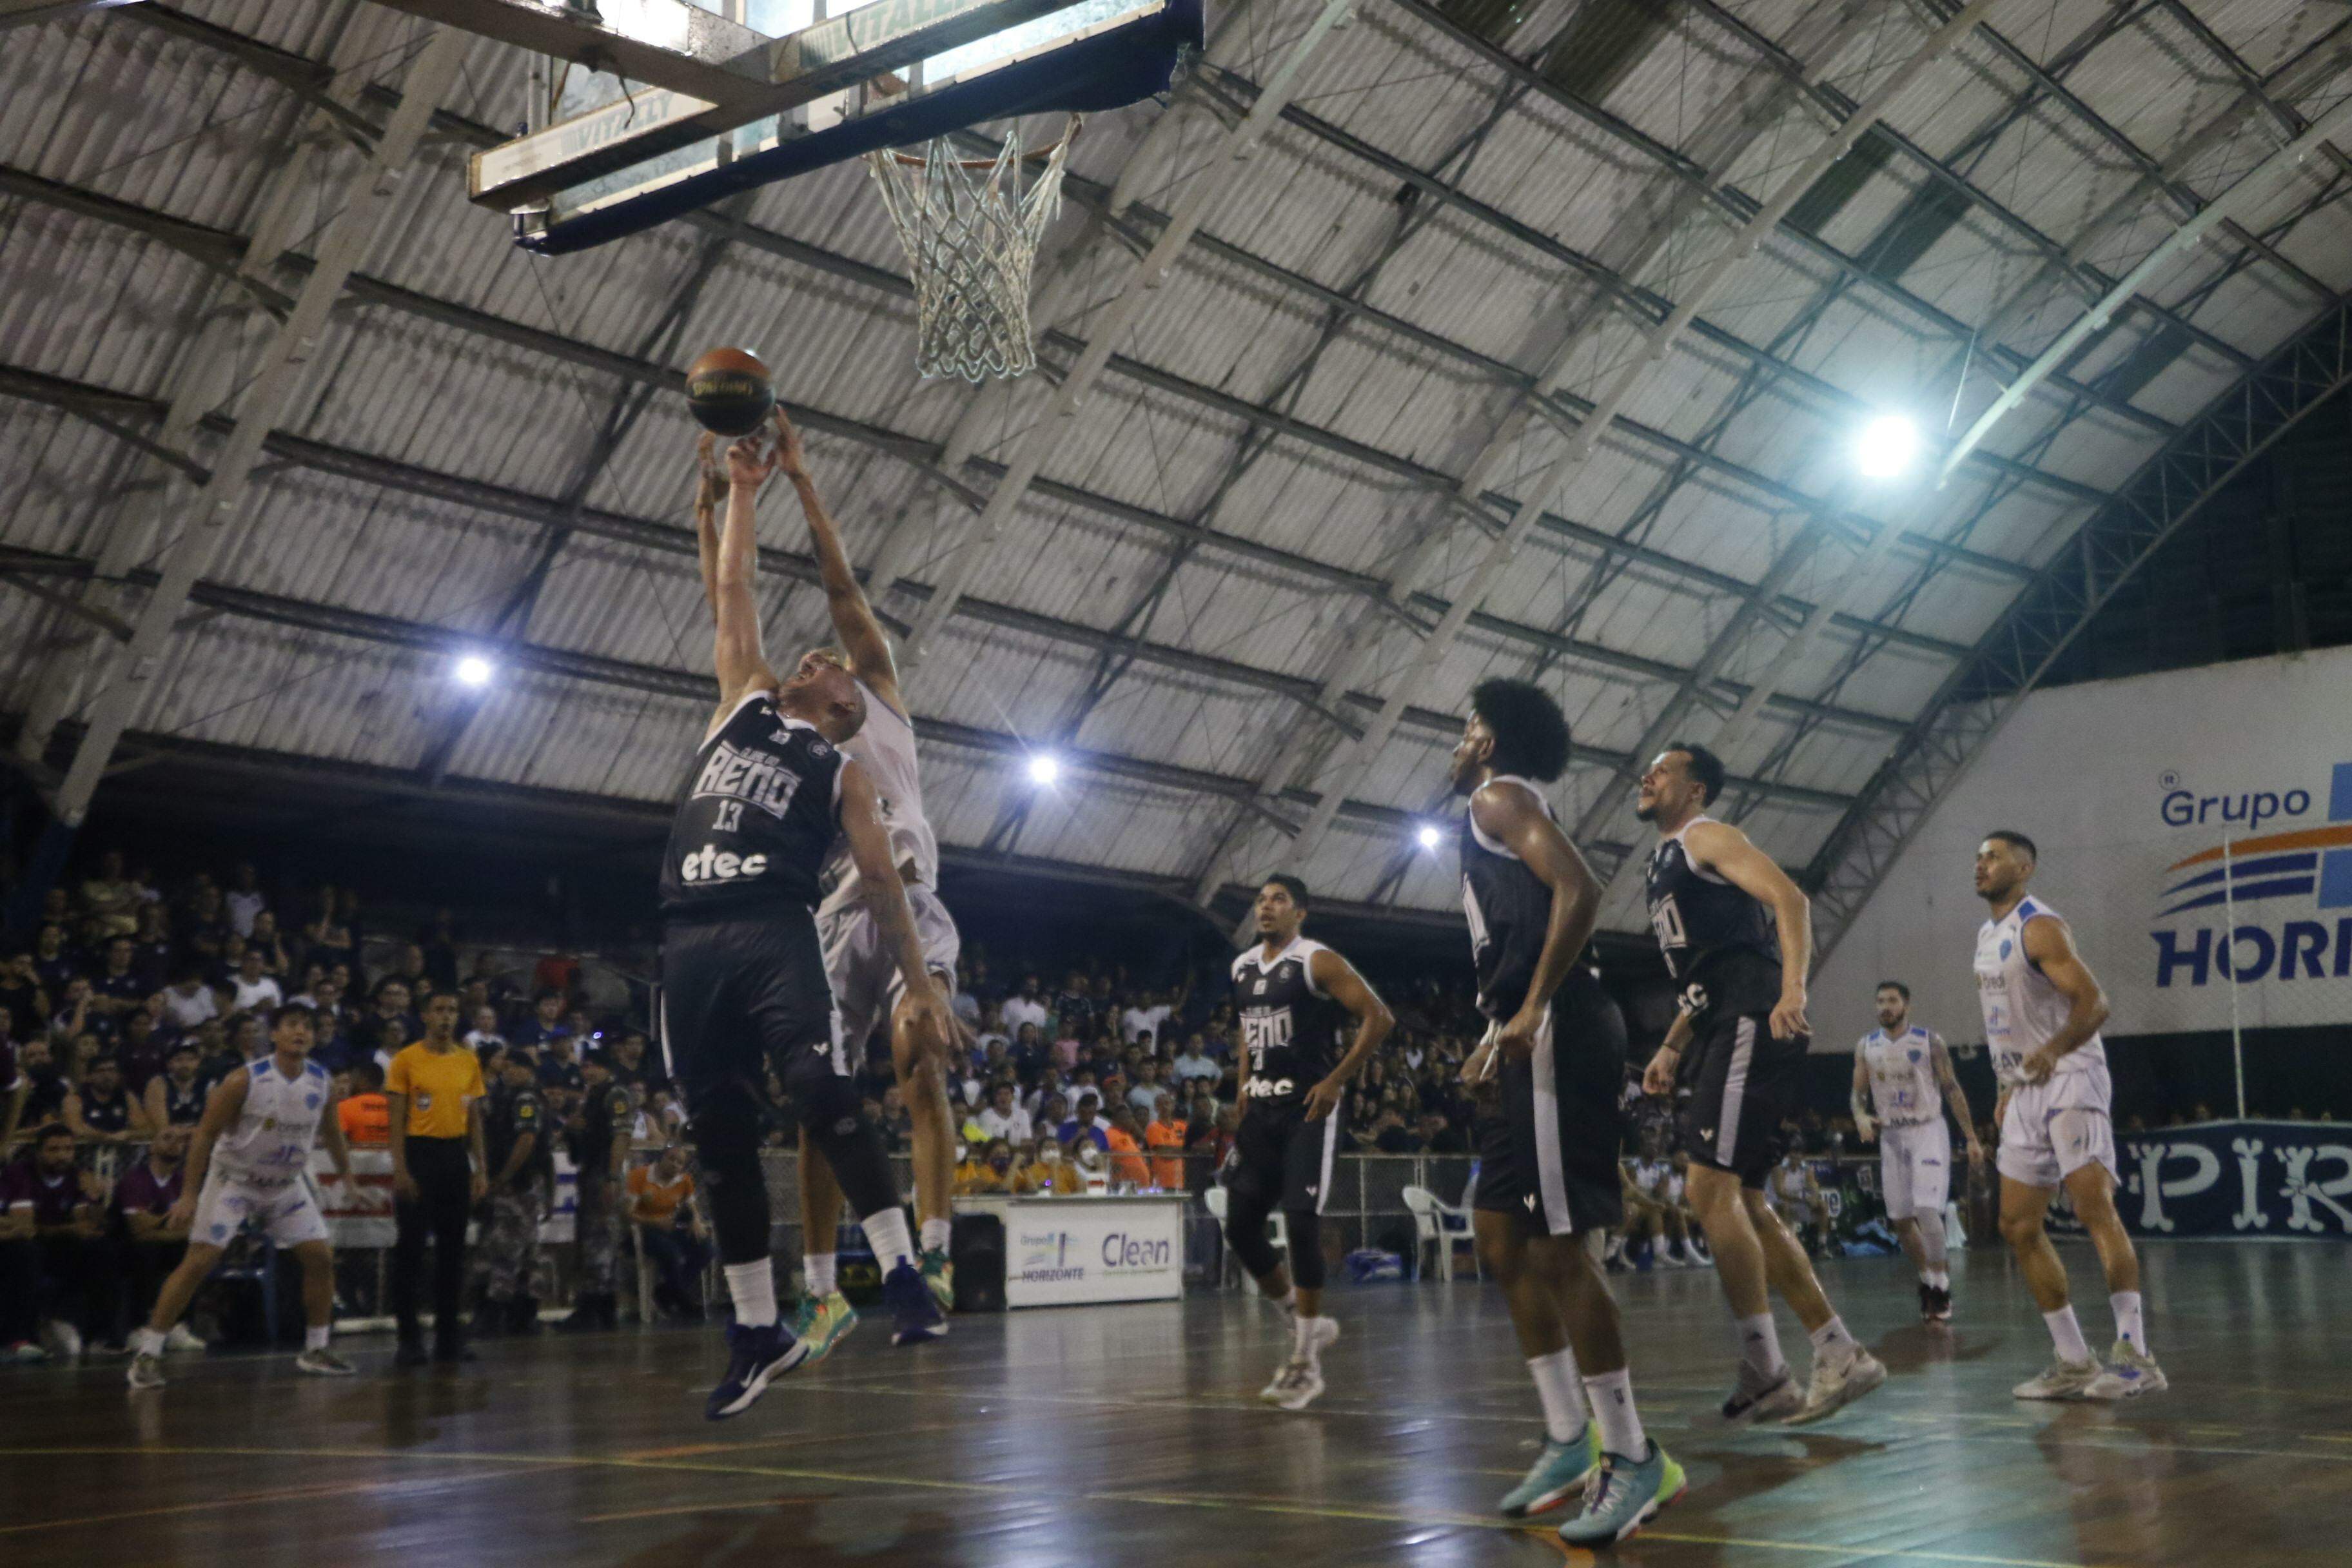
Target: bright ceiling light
{"points": [[1044, 768], [474, 671], [1428, 836], [1886, 446]]}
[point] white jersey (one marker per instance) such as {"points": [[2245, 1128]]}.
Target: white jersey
{"points": [[884, 748], [2023, 1011], [1657, 1178], [1902, 1068], [270, 1141]]}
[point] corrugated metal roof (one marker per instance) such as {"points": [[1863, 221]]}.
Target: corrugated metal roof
{"points": [[1744, 460]]}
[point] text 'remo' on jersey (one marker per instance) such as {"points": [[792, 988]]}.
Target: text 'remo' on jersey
{"points": [[1902, 1069], [1719, 941], [1291, 1028], [758, 815], [2023, 1010]]}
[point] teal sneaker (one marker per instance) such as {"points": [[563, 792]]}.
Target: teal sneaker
{"points": [[938, 1274], [821, 1325], [1626, 1495], [1559, 1470]]}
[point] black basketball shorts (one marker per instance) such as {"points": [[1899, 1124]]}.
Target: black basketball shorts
{"points": [[1742, 1083], [1549, 1155], [742, 998], [1283, 1159]]}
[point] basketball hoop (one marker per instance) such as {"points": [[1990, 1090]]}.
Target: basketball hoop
{"points": [[971, 228]]}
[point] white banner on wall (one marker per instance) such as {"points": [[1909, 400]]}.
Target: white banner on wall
{"points": [[1059, 1252], [2196, 832]]}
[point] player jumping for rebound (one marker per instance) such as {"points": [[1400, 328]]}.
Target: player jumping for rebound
{"points": [[1739, 937], [247, 1166], [744, 992], [857, 957], [1906, 1074], [1548, 1175], [1295, 999], [2042, 1009]]}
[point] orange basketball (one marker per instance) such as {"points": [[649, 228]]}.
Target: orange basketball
{"points": [[729, 392]]}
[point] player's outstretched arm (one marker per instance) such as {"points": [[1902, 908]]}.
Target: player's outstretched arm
{"points": [[2051, 947], [1864, 1127], [740, 654], [1512, 815], [854, 621], [885, 898], [1723, 848], [1338, 979], [710, 494]]}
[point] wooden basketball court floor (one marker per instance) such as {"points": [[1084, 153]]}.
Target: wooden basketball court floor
{"points": [[1130, 1435]]}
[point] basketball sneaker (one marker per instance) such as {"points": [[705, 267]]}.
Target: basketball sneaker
{"points": [[754, 1357], [821, 1325], [182, 1338], [1298, 1386], [1625, 1494], [1837, 1385], [938, 1274], [915, 1309], [146, 1371], [64, 1340], [24, 1351], [2127, 1375], [1756, 1397], [1559, 1470], [323, 1362], [2062, 1378], [1926, 1302], [1939, 1309]]}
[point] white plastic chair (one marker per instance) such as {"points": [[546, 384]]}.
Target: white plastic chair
{"points": [[1215, 1200], [1439, 1223]]}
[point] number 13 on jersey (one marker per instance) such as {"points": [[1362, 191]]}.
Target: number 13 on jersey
{"points": [[1264, 1032]]}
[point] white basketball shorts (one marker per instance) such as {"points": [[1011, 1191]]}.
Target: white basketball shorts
{"points": [[1915, 1168], [867, 985], [285, 1212], [2053, 1130]]}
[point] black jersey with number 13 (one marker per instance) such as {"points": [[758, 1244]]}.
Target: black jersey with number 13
{"points": [[756, 819], [1292, 1031]]}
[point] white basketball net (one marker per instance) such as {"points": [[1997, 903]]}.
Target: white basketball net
{"points": [[971, 229]]}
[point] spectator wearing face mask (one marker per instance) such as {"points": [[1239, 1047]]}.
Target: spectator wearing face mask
{"points": [[1049, 1172]]}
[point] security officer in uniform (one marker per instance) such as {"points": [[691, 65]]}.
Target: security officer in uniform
{"points": [[522, 1171], [600, 1149]]}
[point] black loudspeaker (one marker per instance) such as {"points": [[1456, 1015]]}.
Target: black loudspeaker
{"points": [[977, 1246]]}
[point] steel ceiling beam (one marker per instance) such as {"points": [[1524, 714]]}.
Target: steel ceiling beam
{"points": [[113, 411], [285, 69], [207, 522], [2017, 652], [689, 690]]}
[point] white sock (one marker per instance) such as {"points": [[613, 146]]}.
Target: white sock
{"points": [[148, 1342], [885, 1233], [315, 1339], [753, 1287], [2127, 1323], [1288, 1300], [1562, 1394], [1831, 1340], [935, 1234], [1612, 1405], [1941, 1278], [821, 1271], [1759, 1346], [1302, 1338], [2067, 1335]]}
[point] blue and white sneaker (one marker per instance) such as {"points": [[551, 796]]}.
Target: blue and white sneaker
{"points": [[916, 1312], [755, 1356], [1624, 1496], [1559, 1470], [2127, 1376]]}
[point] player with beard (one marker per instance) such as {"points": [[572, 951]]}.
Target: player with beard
{"points": [[1739, 938], [1547, 1176]]}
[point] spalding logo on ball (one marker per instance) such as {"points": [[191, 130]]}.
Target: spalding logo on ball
{"points": [[729, 392]]}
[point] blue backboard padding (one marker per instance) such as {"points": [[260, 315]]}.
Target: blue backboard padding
{"points": [[1124, 65]]}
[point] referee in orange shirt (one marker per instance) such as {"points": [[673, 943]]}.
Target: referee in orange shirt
{"points": [[439, 1171]]}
